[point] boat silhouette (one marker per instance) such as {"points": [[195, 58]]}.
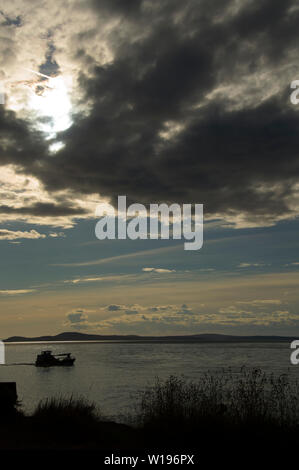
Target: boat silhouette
{"points": [[47, 359]]}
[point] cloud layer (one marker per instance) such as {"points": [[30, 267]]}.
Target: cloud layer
{"points": [[173, 101]]}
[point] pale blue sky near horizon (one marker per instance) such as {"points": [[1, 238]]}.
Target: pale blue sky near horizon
{"points": [[77, 263]]}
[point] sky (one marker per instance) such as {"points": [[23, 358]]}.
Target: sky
{"points": [[163, 102]]}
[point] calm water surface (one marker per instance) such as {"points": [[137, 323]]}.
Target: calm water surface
{"points": [[112, 374]]}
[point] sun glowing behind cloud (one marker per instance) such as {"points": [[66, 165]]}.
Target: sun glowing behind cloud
{"points": [[44, 101], [51, 105]]}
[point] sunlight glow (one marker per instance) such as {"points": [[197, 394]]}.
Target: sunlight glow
{"points": [[55, 147], [52, 107]]}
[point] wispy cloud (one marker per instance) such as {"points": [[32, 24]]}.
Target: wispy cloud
{"points": [[158, 270], [261, 302], [16, 291], [6, 234], [15, 235], [57, 235], [88, 279], [251, 265], [121, 257]]}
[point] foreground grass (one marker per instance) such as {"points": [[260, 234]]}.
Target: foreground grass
{"points": [[252, 411], [252, 398], [254, 414]]}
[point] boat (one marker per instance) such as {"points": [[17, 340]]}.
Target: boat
{"points": [[47, 359]]}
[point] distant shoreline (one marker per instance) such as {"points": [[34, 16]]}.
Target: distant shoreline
{"points": [[73, 337]]}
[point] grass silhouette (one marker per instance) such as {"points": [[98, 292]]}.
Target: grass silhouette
{"points": [[253, 412], [253, 397]]}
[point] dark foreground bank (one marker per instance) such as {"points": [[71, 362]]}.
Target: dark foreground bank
{"points": [[221, 419]]}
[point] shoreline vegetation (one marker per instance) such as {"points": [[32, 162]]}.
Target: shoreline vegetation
{"points": [[252, 412], [200, 338]]}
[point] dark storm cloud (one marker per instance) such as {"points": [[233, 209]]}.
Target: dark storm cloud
{"points": [[43, 209], [226, 157], [241, 158], [126, 7], [19, 144]]}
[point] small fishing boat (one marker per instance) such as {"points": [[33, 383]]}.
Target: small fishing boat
{"points": [[47, 359]]}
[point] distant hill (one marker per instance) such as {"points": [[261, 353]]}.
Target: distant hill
{"points": [[200, 338]]}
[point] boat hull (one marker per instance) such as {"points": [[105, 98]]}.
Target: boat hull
{"points": [[55, 363]]}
